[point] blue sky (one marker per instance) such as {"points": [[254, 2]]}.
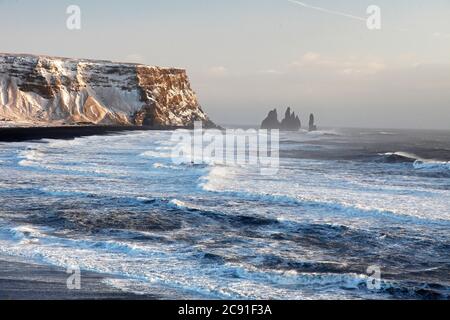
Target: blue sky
{"points": [[246, 57]]}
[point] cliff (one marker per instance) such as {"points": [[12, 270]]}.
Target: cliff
{"points": [[41, 90]]}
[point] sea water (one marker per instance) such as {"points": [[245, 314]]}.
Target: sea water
{"points": [[342, 202]]}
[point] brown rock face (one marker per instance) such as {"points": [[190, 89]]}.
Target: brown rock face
{"points": [[167, 95], [46, 90]]}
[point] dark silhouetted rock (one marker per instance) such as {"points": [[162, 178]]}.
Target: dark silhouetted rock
{"points": [[291, 122], [271, 121], [312, 125]]}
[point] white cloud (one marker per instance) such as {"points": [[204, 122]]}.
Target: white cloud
{"points": [[441, 35], [347, 66], [218, 71], [311, 57], [270, 71]]}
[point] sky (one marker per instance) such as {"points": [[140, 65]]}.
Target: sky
{"points": [[245, 57]]}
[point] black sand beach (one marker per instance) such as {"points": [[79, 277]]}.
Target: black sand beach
{"points": [[23, 280], [17, 134]]}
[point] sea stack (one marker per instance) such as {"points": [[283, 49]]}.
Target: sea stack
{"points": [[312, 125], [51, 91], [271, 121], [291, 122]]}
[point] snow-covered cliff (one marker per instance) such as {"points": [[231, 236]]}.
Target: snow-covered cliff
{"points": [[41, 90]]}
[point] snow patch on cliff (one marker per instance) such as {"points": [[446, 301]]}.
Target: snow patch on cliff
{"points": [[47, 90]]}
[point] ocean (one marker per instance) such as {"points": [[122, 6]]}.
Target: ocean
{"points": [[344, 202]]}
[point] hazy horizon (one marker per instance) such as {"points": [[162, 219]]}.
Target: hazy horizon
{"points": [[244, 59]]}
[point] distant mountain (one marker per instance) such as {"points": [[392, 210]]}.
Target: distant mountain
{"points": [[41, 90]]}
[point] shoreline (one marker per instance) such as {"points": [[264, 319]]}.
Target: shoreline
{"points": [[21, 279], [20, 134]]}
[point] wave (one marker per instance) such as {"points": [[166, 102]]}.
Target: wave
{"points": [[253, 278], [26, 163], [323, 133], [155, 154], [161, 268], [31, 154], [181, 205], [32, 235], [159, 165], [418, 163], [432, 165], [326, 206], [387, 133], [399, 156], [345, 280], [30, 157], [24, 232]]}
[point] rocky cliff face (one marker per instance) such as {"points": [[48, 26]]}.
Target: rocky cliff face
{"points": [[42, 90]]}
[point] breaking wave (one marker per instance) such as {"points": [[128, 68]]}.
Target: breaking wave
{"points": [[324, 133], [118, 205], [420, 164], [399, 156], [439, 166]]}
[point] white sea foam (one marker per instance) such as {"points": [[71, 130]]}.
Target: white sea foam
{"points": [[401, 154], [26, 163], [178, 203], [362, 197], [432, 165], [323, 133], [387, 133], [155, 154], [159, 165], [183, 204], [156, 266], [352, 195], [31, 157]]}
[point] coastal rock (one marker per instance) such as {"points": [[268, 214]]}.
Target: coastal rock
{"points": [[291, 122], [312, 125], [271, 121], [41, 90]]}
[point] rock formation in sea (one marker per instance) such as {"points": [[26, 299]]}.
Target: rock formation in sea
{"points": [[312, 125], [271, 121], [291, 122], [42, 90]]}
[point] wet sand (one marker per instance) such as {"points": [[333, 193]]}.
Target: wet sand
{"points": [[23, 280]]}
